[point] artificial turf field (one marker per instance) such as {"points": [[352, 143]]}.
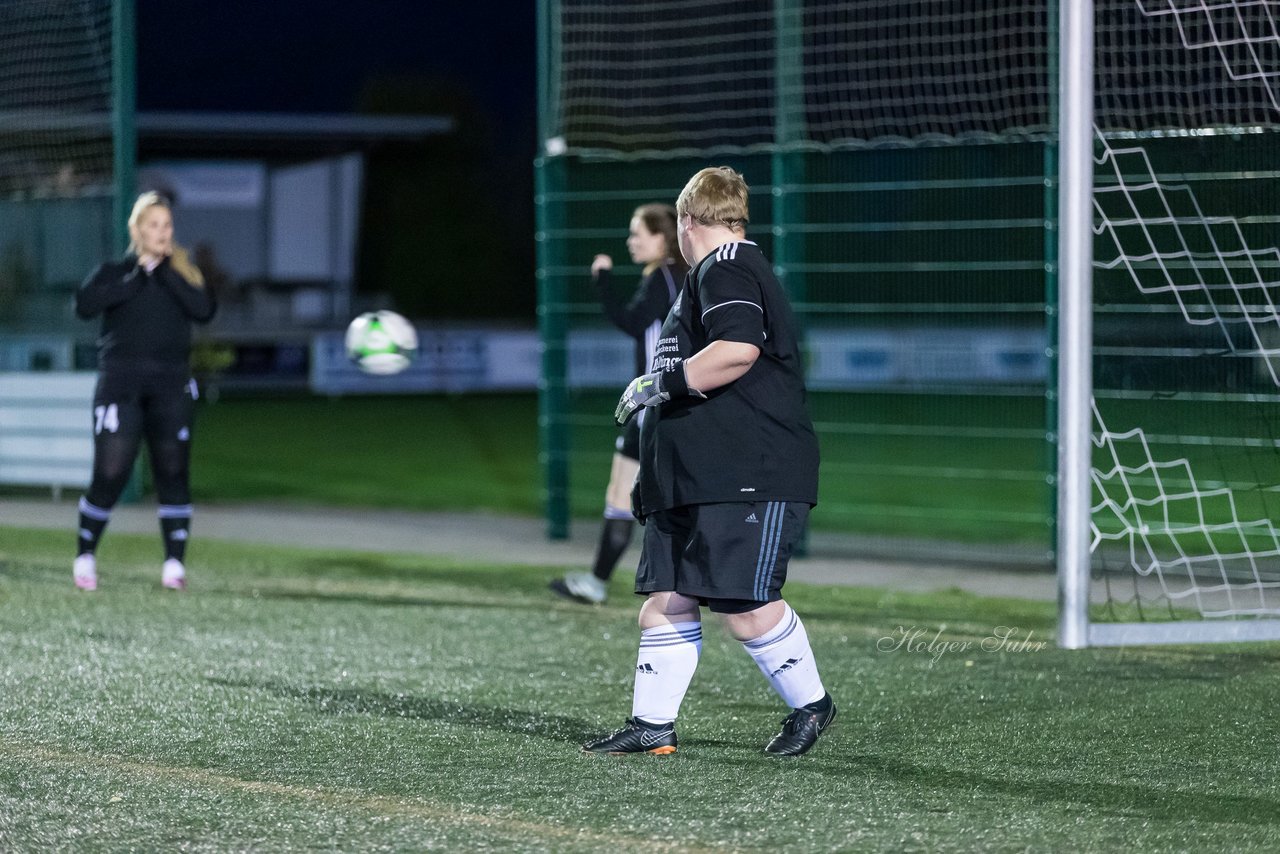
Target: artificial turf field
{"points": [[298, 700]]}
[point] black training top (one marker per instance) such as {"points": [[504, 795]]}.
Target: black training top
{"points": [[750, 440], [642, 317], [146, 317]]}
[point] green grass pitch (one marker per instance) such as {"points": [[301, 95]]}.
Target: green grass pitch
{"points": [[298, 700]]}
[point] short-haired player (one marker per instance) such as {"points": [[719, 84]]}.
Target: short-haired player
{"points": [[728, 474]]}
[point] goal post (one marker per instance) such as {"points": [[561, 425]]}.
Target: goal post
{"points": [[1075, 318]]}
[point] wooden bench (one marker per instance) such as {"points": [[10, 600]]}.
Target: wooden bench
{"points": [[46, 429]]}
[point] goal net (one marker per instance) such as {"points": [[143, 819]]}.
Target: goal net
{"points": [[672, 76], [55, 98], [1186, 479]]}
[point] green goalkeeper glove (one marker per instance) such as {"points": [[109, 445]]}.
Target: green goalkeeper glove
{"points": [[651, 390]]}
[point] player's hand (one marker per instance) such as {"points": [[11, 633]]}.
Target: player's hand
{"points": [[601, 262], [149, 260], [648, 390]]}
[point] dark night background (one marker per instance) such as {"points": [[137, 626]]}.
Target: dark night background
{"points": [[448, 224]]}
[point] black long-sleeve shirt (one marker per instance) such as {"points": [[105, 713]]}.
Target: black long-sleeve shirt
{"points": [[146, 316], [642, 317]]}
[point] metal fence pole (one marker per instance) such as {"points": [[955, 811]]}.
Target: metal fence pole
{"points": [[551, 175], [124, 146]]}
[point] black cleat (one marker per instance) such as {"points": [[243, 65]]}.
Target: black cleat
{"points": [[636, 736], [801, 728]]}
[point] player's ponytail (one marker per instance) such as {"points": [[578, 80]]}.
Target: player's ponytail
{"points": [[181, 262]]}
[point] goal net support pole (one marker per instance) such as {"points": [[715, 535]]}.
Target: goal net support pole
{"points": [[1075, 318]]}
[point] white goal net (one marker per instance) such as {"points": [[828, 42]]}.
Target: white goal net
{"points": [[1186, 477], [673, 76]]}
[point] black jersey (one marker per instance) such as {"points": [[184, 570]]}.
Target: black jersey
{"points": [[146, 316], [642, 317], [750, 440]]}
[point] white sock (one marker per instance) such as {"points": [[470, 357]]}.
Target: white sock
{"points": [[786, 660], [664, 668]]}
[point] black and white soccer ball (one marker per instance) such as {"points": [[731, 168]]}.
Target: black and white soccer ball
{"points": [[381, 342]]}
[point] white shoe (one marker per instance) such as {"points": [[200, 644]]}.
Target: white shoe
{"points": [[174, 575], [85, 572], [582, 586]]}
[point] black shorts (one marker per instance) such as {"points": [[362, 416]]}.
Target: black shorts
{"points": [[628, 441], [710, 552], [157, 407]]}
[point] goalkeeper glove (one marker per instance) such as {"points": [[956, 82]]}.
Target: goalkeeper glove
{"points": [[651, 390]]}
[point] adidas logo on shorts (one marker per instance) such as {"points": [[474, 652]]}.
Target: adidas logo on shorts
{"points": [[752, 519]]}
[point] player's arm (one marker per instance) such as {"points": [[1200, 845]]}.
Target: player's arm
{"points": [[718, 364], [105, 288], [185, 281], [632, 317], [733, 319]]}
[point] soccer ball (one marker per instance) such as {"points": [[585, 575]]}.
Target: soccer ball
{"points": [[381, 342]]}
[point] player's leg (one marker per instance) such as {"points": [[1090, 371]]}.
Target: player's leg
{"points": [[619, 523], [117, 432], [670, 643], [756, 615], [615, 535], [169, 412], [775, 638]]}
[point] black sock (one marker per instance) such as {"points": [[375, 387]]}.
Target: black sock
{"points": [[175, 531], [615, 536], [93, 521]]}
